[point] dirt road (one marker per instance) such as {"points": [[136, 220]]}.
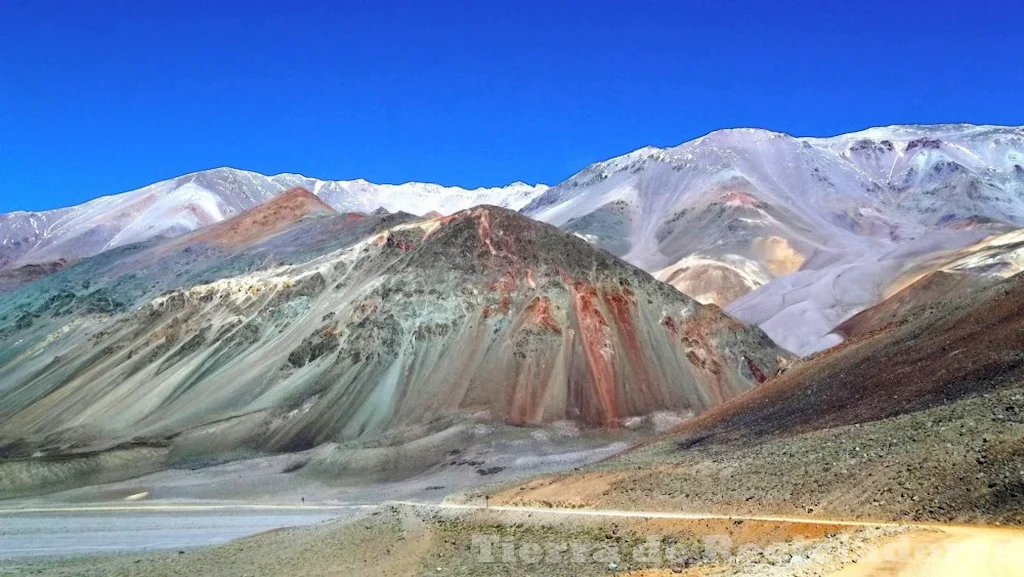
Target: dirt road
{"points": [[936, 550]]}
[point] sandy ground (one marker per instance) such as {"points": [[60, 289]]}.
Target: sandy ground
{"points": [[434, 521], [184, 508], [948, 552], [959, 463]]}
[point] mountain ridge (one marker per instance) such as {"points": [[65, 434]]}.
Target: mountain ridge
{"points": [[181, 204], [765, 224]]}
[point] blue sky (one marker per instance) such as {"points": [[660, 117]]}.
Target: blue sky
{"points": [[101, 97]]}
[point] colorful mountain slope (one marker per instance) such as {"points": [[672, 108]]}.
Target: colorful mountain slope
{"points": [[353, 328], [263, 221]]}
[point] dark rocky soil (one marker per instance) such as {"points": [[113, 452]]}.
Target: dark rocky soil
{"points": [[962, 462]]}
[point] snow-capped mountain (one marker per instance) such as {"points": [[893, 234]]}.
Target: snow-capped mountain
{"points": [[796, 234], [793, 234], [189, 202]]}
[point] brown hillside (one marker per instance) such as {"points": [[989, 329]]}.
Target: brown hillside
{"points": [[264, 220]]}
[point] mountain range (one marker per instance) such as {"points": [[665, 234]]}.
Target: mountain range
{"points": [[795, 235], [179, 205], [918, 416]]}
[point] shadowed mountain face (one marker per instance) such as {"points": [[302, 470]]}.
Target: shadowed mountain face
{"points": [[12, 279], [291, 325]]}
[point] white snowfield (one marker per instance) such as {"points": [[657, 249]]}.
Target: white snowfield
{"points": [[793, 234]]}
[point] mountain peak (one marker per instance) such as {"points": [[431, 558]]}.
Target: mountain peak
{"points": [[299, 196]]}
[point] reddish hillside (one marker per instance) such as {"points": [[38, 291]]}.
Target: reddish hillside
{"points": [[967, 343]]}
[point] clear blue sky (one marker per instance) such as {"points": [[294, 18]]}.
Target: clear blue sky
{"points": [[101, 97]]}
